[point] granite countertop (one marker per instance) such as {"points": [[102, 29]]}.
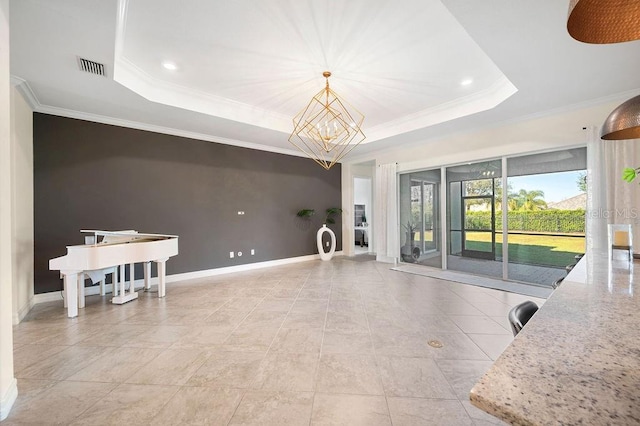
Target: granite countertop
{"points": [[578, 360]]}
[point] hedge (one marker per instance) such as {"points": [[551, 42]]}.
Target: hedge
{"points": [[557, 221]]}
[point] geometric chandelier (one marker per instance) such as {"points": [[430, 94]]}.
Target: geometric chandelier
{"points": [[326, 130]]}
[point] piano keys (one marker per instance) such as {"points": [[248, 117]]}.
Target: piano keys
{"points": [[103, 253]]}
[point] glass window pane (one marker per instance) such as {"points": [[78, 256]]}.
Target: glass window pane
{"points": [[420, 218], [455, 206], [473, 189], [478, 187], [546, 214]]}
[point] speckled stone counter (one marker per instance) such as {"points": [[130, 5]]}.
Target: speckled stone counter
{"points": [[577, 361]]}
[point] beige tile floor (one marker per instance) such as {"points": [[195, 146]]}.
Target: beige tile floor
{"points": [[316, 343]]}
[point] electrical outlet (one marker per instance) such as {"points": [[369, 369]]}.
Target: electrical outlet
{"points": [[253, 252], [239, 254], [230, 255]]}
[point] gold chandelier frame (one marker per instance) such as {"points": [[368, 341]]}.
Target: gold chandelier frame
{"points": [[328, 128]]}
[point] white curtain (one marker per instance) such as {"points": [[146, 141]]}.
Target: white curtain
{"points": [[597, 206], [611, 200], [386, 216]]}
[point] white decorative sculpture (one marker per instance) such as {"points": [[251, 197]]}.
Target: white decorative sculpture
{"points": [[326, 255]]}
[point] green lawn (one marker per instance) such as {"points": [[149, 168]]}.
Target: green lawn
{"points": [[531, 249]]}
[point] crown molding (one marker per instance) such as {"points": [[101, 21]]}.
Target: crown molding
{"points": [[479, 101], [26, 92], [592, 103], [31, 98], [63, 112], [158, 90], [615, 97], [25, 89]]}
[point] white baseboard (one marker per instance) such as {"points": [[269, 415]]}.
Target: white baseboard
{"points": [[51, 296], [387, 259], [23, 311], [8, 399], [239, 268], [93, 290]]}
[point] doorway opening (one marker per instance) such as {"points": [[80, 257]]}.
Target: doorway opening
{"points": [[362, 215]]}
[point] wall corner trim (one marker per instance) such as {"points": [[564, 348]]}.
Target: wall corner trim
{"points": [[8, 399]]}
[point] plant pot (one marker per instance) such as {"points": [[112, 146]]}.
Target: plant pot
{"points": [[325, 255], [409, 251]]}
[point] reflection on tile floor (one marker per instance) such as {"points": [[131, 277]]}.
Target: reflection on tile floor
{"points": [[314, 343]]}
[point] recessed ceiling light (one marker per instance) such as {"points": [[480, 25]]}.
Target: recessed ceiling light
{"points": [[466, 82], [170, 65]]}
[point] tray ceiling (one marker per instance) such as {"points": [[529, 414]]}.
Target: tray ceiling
{"points": [[401, 63], [245, 68]]}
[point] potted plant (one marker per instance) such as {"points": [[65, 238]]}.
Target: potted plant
{"points": [[329, 218], [409, 252]]}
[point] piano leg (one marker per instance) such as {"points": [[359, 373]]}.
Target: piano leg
{"points": [[114, 278], [71, 293], [103, 284], [147, 276], [162, 271], [81, 290], [121, 281], [65, 294], [132, 278], [125, 297]]}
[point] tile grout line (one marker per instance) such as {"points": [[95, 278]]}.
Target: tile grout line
{"points": [[395, 290], [250, 386], [244, 391], [317, 372], [376, 358]]}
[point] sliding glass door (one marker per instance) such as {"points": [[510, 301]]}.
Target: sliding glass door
{"points": [[423, 213], [478, 236], [419, 218], [546, 214], [541, 200], [473, 238]]}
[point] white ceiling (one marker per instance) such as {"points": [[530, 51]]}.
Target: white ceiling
{"points": [[245, 68]]}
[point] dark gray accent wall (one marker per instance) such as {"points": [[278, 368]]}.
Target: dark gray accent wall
{"points": [[95, 176]]}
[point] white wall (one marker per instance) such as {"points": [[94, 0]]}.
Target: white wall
{"points": [[348, 247], [558, 130], [8, 385], [22, 203]]}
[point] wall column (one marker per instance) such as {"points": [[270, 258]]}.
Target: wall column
{"points": [[21, 204], [8, 385], [347, 210]]}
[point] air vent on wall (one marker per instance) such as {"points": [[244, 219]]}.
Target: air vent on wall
{"points": [[91, 67]]}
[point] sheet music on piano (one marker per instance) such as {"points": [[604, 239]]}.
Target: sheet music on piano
{"points": [[107, 252]]}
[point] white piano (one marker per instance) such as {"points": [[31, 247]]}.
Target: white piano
{"points": [[103, 253]]}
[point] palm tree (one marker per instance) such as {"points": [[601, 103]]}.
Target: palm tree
{"points": [[531, 200], [514, 202]]}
